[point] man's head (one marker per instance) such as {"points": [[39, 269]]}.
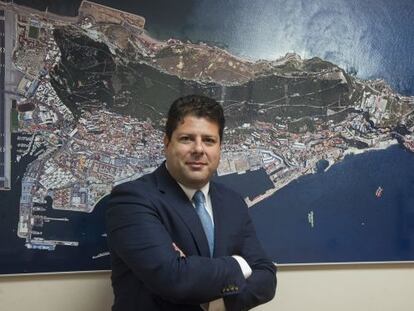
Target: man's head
{"points": [[192, 141], [198, 106]]}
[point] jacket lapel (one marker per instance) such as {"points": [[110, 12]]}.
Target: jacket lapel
{"points": [[219, 219], [178, 202]]}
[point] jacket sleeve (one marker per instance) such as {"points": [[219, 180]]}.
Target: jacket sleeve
{"points": [[138, 238], [261, 285]]}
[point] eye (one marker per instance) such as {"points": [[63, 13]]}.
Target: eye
{"points": [[210, 140], [184, 139]]}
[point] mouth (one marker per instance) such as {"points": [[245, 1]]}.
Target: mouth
{"points": [[196, 165]]}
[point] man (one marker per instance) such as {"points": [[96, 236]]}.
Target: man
{"points": [[180, 241]]}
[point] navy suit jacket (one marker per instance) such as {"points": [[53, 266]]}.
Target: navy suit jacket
{"points": [[147, 215]]}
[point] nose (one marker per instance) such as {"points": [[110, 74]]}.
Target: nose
{"points": [[198, 146]]}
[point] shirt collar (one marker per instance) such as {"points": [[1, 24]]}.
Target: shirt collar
{"points": [[189, 192]]}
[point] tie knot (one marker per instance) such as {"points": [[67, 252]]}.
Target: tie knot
{"points": [[198, 197]]}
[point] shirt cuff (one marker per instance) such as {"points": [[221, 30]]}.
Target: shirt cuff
{"points": [[244, 266], [217, 305]]}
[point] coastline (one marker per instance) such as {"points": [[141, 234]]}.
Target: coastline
{"points": [[380, 146], [350, 151]]}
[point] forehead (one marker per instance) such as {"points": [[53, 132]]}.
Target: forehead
{"points": [[197, 125]]}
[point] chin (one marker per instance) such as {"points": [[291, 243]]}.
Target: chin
{"points": [[197, 182]]}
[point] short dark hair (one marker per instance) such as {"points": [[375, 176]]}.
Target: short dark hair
{"points": [[194, 105]]}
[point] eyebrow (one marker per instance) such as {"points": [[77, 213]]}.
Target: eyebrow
{"points": [[202, 135]]}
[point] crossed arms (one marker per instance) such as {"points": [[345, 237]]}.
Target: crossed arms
{"points": [[141, 232]]}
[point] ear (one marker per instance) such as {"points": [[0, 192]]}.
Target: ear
{"points": [[166, 141]]}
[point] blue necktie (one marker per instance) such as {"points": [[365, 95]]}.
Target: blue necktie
{"points": [[200, 207]]}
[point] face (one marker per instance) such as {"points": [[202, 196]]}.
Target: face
{"points": [[193, 152]]}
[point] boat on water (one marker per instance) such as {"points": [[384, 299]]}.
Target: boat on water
{"points": [[379, 192], [103, 254], [311, 219]]}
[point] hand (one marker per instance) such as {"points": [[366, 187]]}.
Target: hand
{"points": [[177, 249]]}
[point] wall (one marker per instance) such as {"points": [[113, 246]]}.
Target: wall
{"points": [[355, 287], [345, 288]]}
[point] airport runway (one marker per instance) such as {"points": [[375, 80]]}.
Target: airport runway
{"points": [[3, 116]]}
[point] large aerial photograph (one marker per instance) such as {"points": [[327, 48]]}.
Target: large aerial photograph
{"points": [[319, 104]]}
